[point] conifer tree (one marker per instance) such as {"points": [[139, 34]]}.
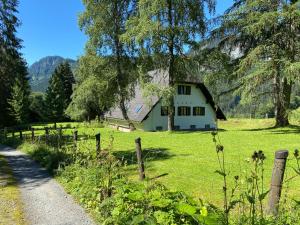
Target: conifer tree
{"points": [[19, 101], [58, 94], [55, 97], [267, 35], [12, 66], [68, 82], [166, 30]]}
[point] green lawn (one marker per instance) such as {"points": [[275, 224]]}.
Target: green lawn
{"points": [[187, 160]]}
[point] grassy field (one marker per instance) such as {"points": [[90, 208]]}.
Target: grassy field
{"points": [[10, 203], [187, 161]]}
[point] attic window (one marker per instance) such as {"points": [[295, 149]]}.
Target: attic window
{"points": [[184, 90], [138, 108]]}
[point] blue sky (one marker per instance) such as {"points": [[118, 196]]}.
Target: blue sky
{"points": [[49, 27]]}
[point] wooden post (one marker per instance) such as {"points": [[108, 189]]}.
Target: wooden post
{"points": [[32, 135], [46, 135], [21, 135], [59, 130], [75, 138], [98, 144], [55, 126], [140, 158], [277, 180], [13, 134]]}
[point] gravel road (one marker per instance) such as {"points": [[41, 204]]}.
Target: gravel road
{"points": [[45, 201]]}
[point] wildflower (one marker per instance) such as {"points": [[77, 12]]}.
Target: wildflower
{"points": [[214, 133], [220, 148], [254, 156]]}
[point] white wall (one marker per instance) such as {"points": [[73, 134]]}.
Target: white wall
{"points": [[195, 99]]}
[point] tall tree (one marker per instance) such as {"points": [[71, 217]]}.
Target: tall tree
{"points": [[59, 92], [55, 96], [93, 94], [19, 101], [68, 82], [104, 22], [166, 30], [10, 59], [267, 36]]}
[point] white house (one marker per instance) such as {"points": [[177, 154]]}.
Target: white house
{"points": [[194, 107]]}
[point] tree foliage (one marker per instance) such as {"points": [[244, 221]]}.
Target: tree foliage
{"points": [[93, 94], [13, 72], [266, 33], [19, 101], [166, 30], [59, 92], [104, 22]]}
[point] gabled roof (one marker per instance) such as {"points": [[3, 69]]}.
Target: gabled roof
{"points": [[138, 108]]}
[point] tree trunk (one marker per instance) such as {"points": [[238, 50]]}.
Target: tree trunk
{"points": [[283, 91], [125, 115], [171, 113]]}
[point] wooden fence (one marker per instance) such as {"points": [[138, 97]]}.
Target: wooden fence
{"points": [[54, 136]]}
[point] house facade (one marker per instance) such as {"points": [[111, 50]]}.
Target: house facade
{"points": [[194, 108]]}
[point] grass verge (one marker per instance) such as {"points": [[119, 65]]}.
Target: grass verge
{"points": [[11, 210]]}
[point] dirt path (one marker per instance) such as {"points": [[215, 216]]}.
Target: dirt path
{"points": [[45, 201]]}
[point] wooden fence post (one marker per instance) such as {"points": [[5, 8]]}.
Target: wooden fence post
{"points": [[55, 126], [13, 134], [75, 138], [98, 144], [277, 180], [59, 130], [46, 135], [140, 158], [32, 135]]}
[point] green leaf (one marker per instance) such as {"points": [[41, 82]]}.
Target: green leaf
{"points": [[135, 196], [186, 209], [250, 199], [221, 173], [162, 203], [297, 171], [263, 195], [232, 204], [138, 219]]}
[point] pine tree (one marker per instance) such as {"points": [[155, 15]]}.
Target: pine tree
{"points": [[68, 82], [19, 101], [166, 30], [267, 34], [11, 62], [55, 97]]}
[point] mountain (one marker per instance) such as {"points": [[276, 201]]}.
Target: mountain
{"points": [[40, 72]]}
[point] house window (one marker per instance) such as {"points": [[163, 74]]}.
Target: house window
{"points": [[164, 110], [184, 111], [199, 111], [184, 90]]}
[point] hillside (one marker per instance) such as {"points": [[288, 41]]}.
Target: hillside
{"points": [[41, 71]]}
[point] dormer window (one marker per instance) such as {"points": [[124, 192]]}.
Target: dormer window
{"points": [[184, 90]]}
